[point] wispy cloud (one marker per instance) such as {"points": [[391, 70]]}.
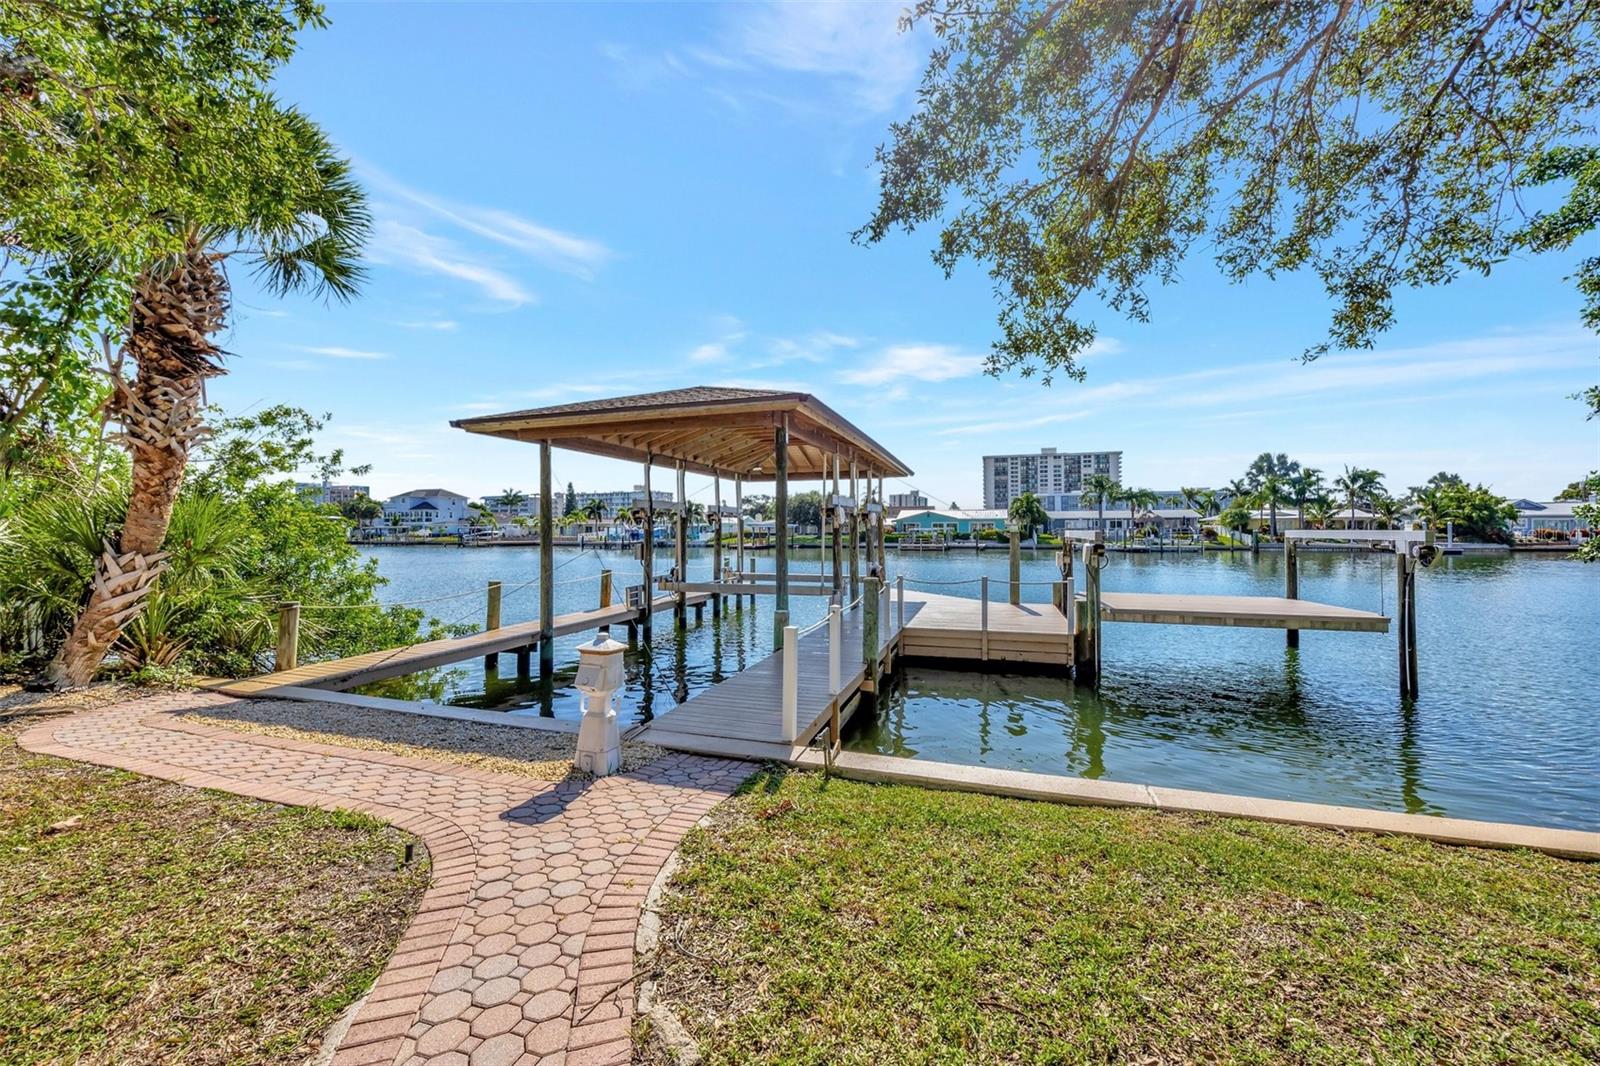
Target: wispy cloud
{"points": [[334, 351], [440, 325], [405, 245], [920, 362], [554, 248], [856, 46]]}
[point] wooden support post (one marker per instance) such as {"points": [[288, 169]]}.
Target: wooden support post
{"points": [[1068, 589], [605, 596], [855, 533], [524, 661], [1291, 583], [780, 525], [833, 512], [547, 566], [983, 618], [790, 642], [1400, 621], [1087, 640], [738, 519], [1411, 621], [287, 655], [877, 521], [716, 545], [900, 602], [870, 602], [872, 541], [1015, 550], [835, 653], [680, 552], [491, 621], [649, 557]]}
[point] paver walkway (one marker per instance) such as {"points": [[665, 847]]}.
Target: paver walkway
{"points": [[522, 948]]}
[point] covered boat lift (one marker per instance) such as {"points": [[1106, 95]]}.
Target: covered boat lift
{"points": [[736, 433]]}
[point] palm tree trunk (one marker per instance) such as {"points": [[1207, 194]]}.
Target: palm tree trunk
{"points": [[175, 312]]}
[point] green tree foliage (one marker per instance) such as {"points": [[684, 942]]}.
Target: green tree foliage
{"points": [[1577, 218], [1589, 515], [1581, 489], [571, 506], [805, 509], [1083, 149], [114, 121], [241, 540], [1476, 513], [1027, 514]]}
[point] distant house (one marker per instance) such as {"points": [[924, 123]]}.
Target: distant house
{"points": [[951, 521], [435, 510], [1556, 514]]}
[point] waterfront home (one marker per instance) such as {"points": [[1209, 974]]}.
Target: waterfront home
{"points": [[325, 492], [430, 510], [1557, 515], [950, 521]]}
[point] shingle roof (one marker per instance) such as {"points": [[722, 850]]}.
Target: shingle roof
{"points": [[696, 394]]}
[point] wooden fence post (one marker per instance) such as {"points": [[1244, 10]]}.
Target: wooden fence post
{"points": [[1016, 567], [1291, 583], [287, 655], [491, 620]]}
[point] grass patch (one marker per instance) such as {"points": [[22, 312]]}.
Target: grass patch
{"points": [[835, 922], [145, 922]]}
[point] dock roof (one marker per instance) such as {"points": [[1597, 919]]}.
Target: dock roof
{"points": [[710, 429]]}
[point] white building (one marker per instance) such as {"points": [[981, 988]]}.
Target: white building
{"points": [[907, 501], [1056, 477], [437, 510], [526, 507], [324, 492], [623, 500]]}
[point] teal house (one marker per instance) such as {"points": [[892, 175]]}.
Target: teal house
{"points": [[950, 522]]}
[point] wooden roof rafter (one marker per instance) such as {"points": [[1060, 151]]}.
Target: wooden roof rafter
{"points": [[711, 430]]}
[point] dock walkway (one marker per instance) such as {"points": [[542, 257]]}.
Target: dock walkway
{"points": [[397, 662]]}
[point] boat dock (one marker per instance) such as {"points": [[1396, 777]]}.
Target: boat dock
{"points": [[411, 658]]}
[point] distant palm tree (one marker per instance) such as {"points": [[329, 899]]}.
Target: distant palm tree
{"points": [[1388, 509], [1272, 492], [1139, 501], [1027, 514], [1305, 485], [1098, 489], [594, 511], [511, 499], [1358, 484], [1319, 511]]}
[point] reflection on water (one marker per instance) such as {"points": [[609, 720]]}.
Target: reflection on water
{"points": [[1504, 728]]}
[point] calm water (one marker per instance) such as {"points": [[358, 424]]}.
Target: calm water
{"points": [[1505, 729]]}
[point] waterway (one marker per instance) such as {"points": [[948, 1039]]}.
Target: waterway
{"points": [[1507, 726]]}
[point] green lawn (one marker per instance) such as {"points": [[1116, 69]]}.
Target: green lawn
{"points": [[836, 922], [169, 924]]}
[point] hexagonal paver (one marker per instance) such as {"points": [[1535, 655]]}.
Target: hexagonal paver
{"points": [[492, 993], [446, 1036], [497, 1020], [443, 1008]]}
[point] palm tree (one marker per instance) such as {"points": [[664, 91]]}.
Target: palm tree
{"points": [[1305, 485], [308, 236], [511, 499], [1027, 514], [1237, 489], [1273, 491], [595, 511], [1319, 511], [1097, 490], [1388, 509], [1208, 503], [1139, 501], [1358, 483]]}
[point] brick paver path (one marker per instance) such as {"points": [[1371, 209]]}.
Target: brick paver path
{"points": [[522, 947]]}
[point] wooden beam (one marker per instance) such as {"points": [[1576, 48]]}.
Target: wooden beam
{"points": [[547, 601]]}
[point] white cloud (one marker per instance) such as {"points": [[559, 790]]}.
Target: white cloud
{"points": [[858, 46], [921, 362], [712, 352], [398, 243], [441, 325], [817, 347], [334, 351], [730, 333], [567, 252]]}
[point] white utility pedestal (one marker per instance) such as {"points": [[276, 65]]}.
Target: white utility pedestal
{"points": [[599, 680]]}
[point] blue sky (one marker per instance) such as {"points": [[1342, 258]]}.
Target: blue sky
{"points": [[577, 201]]}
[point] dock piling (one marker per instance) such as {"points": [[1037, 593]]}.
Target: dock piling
{"points": [[791, 682], [900, 602], [287, 655], [491, 620], [870, 600], [1015, 551], [605, 596], [834, 651], [983, 618], [1291, 584]]}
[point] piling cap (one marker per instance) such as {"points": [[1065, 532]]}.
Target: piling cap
{"points": [[601, 646]]}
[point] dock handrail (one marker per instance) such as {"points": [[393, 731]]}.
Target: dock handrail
{"points": [[791, 683]]}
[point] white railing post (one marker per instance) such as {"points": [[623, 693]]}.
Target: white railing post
{"points": [[834, 637], [900, 608], [983, 617], [791, 682], [883, 613]]}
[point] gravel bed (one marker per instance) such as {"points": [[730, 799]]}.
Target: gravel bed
{"points": [[535, 753]]}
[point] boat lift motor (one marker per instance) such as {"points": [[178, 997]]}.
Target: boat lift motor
{"points": [[599, 680]]}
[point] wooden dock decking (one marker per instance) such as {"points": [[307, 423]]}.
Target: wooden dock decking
{"points": [[397, 662], [1260, 612]]}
